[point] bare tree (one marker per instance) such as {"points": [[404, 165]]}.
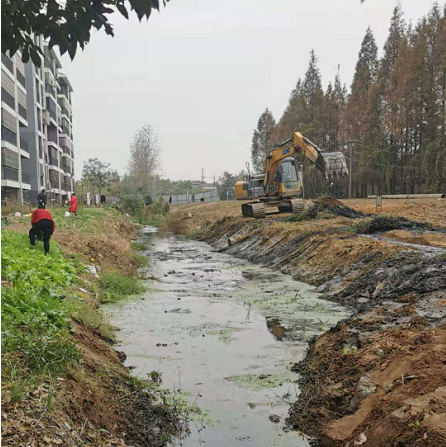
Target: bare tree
{"points": [[144, 156]]}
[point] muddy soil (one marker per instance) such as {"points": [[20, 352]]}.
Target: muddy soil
{"points": [[377, 378], [224, 331]]}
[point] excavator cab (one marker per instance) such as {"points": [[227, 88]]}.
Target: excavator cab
{"points": [[287, 176]]}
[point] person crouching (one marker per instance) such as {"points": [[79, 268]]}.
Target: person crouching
{"points": [[42, 223]]}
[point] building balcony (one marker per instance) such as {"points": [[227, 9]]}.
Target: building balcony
{"points": [[26, 178], [8, 99], [9, 136], [49, 89], [49, 65], [22, 112], [20, 78], [24, 145], [10, 173], [53, 161], [66, 169], [8, 63]]}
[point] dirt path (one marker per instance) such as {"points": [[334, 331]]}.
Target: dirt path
{"points": [[378, 377]]}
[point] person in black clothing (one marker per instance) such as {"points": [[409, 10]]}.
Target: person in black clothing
{"points": [[42, 224], [41, 198], [170, 200]]}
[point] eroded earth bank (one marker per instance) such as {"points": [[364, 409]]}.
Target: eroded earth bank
{"points": [[377, 377]]}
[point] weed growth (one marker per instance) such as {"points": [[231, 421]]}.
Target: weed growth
{"points": [[138, 246], [115, 286]]}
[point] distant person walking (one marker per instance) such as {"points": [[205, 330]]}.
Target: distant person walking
{"points": [[41, 198], [42, 223], [73, 204], [170, 200]]}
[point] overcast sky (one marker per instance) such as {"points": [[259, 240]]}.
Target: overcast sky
{"points": [[202, 72]]}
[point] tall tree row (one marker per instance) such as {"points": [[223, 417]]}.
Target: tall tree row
{"points": [[393, 119]]}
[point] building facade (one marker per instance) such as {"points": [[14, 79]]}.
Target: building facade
{"points": [[37, 130]]}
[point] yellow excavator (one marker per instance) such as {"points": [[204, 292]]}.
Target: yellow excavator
{"points": [[283, 179]]}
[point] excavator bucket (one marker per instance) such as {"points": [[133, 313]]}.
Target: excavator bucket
{"points": [[335, 165]]}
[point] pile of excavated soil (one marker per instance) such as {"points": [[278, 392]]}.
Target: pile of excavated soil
{"points": [[381, 224], [378, 387], [327, 205]]}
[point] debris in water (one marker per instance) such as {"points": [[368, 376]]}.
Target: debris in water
{"points": [[274, 418], [178, 310]]}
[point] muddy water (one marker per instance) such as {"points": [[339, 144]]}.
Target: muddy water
{"points": [[225, 332]]}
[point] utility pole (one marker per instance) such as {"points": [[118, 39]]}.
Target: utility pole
{"points": [[202, 178], [348, 145]]}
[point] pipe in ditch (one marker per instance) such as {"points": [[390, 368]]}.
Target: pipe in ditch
{"points": [[410, 196]]}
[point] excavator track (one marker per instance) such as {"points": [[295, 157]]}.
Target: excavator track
{"points": [[256, 210], [297, 206]]}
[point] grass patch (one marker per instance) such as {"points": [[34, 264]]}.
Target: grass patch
{"points": [[151, 221], [143, 261], [115, 287], [35, 316], [138, 246]]}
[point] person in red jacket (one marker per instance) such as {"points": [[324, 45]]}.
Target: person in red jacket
{"points": [[73, 204], [42, 223]]}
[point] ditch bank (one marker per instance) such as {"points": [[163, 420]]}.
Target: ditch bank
{"points": [[375, 378], [62, 381]]}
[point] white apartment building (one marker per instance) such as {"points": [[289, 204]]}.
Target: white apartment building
{"points": [[39, 153]]}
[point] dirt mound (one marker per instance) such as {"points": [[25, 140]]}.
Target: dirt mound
{"points": [[375, 386], [381, 224], [326, 205]]}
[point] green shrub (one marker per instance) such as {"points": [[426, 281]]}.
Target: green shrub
{"points": [[115, 286], [131, 202]]}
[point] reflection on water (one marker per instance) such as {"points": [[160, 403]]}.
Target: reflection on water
{"points": [[275, 327]]}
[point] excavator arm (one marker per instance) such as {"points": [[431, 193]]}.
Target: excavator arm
{"points": [[330, 164]]}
